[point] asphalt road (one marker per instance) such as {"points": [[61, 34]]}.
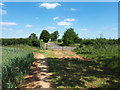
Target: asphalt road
{"points": [[54, 46]]}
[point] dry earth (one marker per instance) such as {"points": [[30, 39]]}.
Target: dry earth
{"points": [[38, 76], [68, 54]]}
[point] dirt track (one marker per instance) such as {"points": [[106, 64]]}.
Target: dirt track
{"points": [[38, 76]]}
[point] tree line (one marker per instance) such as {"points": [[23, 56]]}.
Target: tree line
{"points": [[69, 37]]}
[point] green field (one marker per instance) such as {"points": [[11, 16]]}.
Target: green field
{"points": [[15, 64]]}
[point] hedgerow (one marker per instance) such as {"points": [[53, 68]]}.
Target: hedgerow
{"points": [[28, 41]]}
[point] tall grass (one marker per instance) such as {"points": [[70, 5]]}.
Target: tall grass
{"points": [[15, 64]]}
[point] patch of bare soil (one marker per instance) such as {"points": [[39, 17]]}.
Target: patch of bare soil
{"points": [[69, 54], [58, 53], [38, 76]]}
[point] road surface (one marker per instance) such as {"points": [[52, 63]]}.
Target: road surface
{"points": [[54, 46]]}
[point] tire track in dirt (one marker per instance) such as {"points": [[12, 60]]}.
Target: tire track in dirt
{"points": [[38, 76]]}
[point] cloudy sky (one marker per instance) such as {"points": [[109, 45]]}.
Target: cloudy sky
{"points": [[89, 20]]}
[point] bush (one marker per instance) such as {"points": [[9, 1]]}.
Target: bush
{"points": [[85, 50], [15, 64]]}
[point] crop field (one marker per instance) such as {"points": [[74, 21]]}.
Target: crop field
{"points": [[15, 64]]}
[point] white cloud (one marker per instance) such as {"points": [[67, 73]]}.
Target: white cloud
{"points": [[49, 5], [55, 18], [3, 11], [27, 25], [69, 19], [51, 27], [8, 23], [84, 29], [1, 4], [73, 9], [64, 23]]}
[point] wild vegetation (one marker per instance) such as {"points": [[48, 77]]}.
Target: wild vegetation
{"points": [[101, 50]]}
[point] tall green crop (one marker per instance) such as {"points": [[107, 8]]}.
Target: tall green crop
{"points": [[15, 64]]}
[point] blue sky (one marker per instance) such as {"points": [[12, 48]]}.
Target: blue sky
{"points": [[89, 19]]}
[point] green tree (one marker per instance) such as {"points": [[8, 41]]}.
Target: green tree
{"points": [[77, 40], [69, 37], [54, 35], [33, 36], [59, 40], [45, 36]]}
